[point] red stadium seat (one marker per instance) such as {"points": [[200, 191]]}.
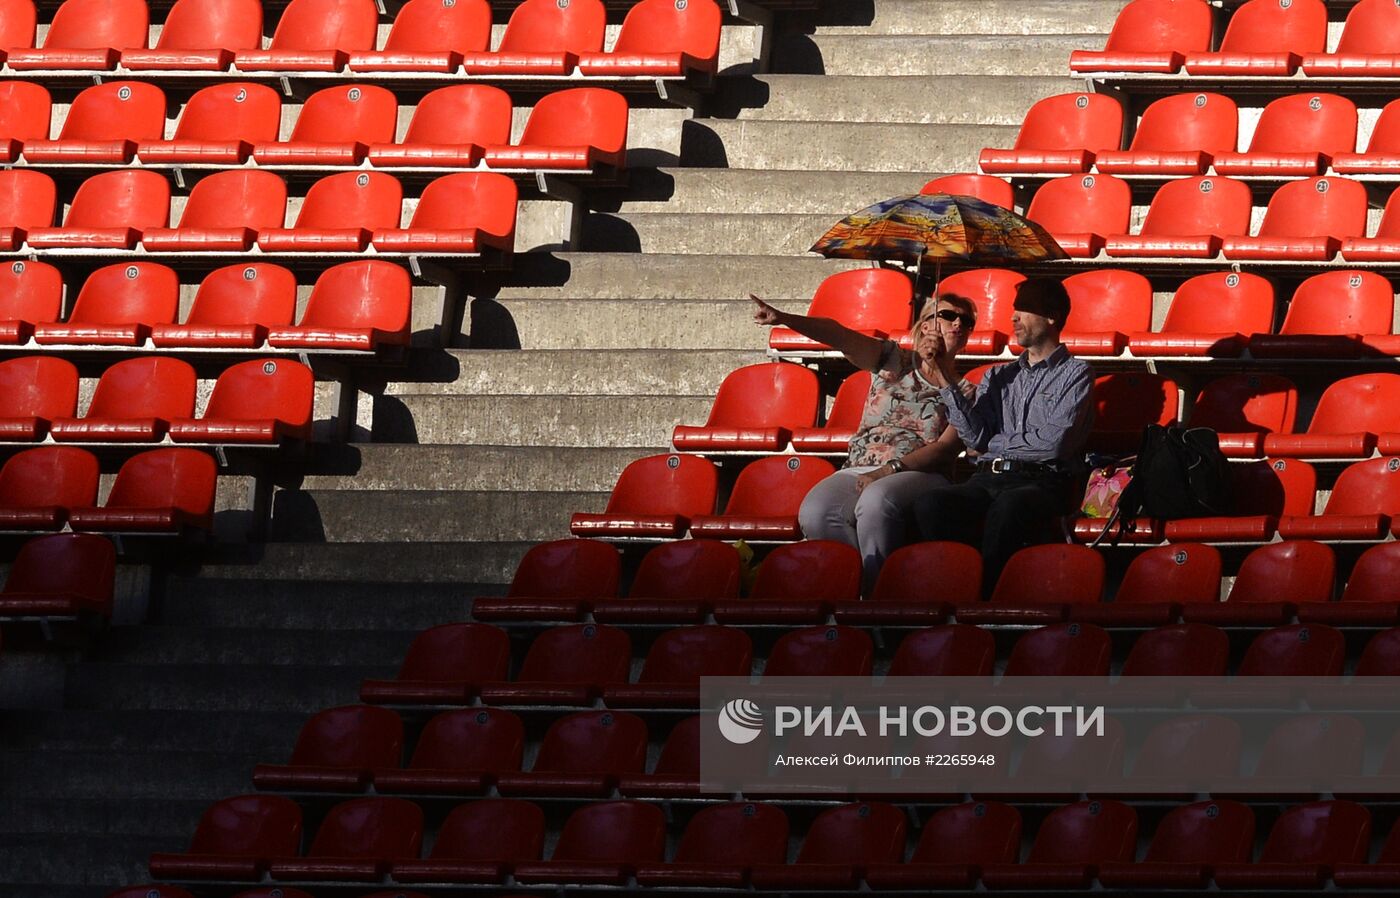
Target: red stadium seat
{"points": [[118, 306], [469, 212], [38, 486], [1304, 845], [661, 38], [336, 125], [1382, 150], [602, 844], [1188, 219], [1070, 844], [225, 211], [720, 845], [1383, 873], [1304, 744], [1178, 135], [200, 35], [677, 770], [1381, 658], [582, 755], [357, 306], [840, 844], [1306, 221], [557, 580], [569, 130], [798, 583], [315, 36], [134, 402], [1180, 650], [1265, 37], [1036, 585], [765, 499], [877, 302], [25, 107], [1264, 492], [1244, 408], [18, 20], [756, 409], [262, 401], [444, 665], [339, 214], [221, 124], [235, 839], [479, 842], [450, 126], [677, 582], [1383, 247], [955, 844], [86, 34], [234, 308], [358, 842], [675, 663], [655, 496], [1347, 423], [1195, 749], [1297, 650], [919, 584], [1296, 135], [1060, 135], [63, 575], [34, 391], [167, 891], [993, 290], [161, 491], [1189, 842], [458, 753], [1158, 581], [1107, 305], [1125, 404], [1330, 316], [336, 751], [952, 650], [821, 652], [1209, 316], [1061, 650], [429, 36], [842, 422], [1080, 210], [103, 125], [1366, 48], [109, 211], [29, 292], [1364, 505], [997, 191], [543, 38], [27, 200], [1150, 36], [1272, 580], [566, 666], [1370, 597]]}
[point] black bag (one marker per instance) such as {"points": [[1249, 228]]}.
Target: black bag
{"points": [[1180, 473]]}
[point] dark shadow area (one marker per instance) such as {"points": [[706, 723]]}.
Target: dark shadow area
{"points": [[701, 147], [797, 53], [849, 12], [648, 185], [492, 326], [737, 94], [649, 157], [393, 421], [609, 234], [296, 518]]}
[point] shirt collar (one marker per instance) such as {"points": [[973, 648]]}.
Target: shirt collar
{"points": [[1053, 360]]}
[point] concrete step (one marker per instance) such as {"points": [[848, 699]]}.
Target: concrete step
{"points": [[837, 147], [304, 586], [928, 54], [744, 190], [48, 866], [387, 466], [82, 818], [271, 733], [776, 234], [193, 645], [643, 422], [216, 687], [960, 17], [67, 775]]}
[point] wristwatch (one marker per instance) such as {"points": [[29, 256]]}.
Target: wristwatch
{"points": [[896, 466]]}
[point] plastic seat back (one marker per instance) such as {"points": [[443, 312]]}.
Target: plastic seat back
{"points": [[864, 833], [38, 386], [1082, 204], [547, 26], [1178, 573], [80, 565], [1297, 650], [1189, 207], [989, 188], [327, 25], [977, 832], [992, 290], [1247, 403], [703, 569], [1051, 573], [354, 200], [167, 891], [821, 652], [259, 293], [626, 832], [472, 653], [680, 755], [952, 650], [485, 740], [1374, 576], [212, 24], [568, 569], [121, 199], [1193, 748], [459, 115], [1300, 746], [236, 199], [811, 570], [61, 476], [264, 389], [359, 113], [1306, 123], [369, 294], [249, 826], [30, 291], [358, 736], [1316, 207], [370, 828], [128, 293], [1385, 135], [1367, 488], [1320, 832], [183, 479], [1362, 402], [1381, 657], [1371, 28], [18, 19], [579, 117], [25, 107], [775, 486], [1061, 650], [1089, 832], [1341, 302], [1179, 650], [1290, 571], [933, 571], [158, 387], [1206, 832], [580, 654], [609, 742], [684, 655], [485, 201], [236, 110], [735, 834], [1109, 300], [117, 110], [867, 299], [665, 26], [1079, 121], [682, 485], [96, 24], [494, 830], [766, 395], [1222, 302], [1390, 218], [849, 405], [1127, 403], [1267, 26], [1184, 122], [425, 26]]}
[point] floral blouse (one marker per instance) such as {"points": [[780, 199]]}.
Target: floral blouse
{"points": [[902, 412]]}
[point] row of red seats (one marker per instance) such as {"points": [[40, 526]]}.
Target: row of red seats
{"points": [[63, 576], [659, 38], [145, 400], [470, 213], [354, 306], [226, 124]]}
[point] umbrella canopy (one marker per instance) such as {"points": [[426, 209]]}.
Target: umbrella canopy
{"points": [[938, 226]]}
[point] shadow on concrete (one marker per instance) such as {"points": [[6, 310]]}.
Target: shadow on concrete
{"points": [[296, 518], [606, 233], [492, 326]]}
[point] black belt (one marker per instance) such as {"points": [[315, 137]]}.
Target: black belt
{"points": [[1015, 466]]}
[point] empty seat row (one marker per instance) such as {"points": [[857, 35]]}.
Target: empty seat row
{"points": [[469, 213], [62, 576], [225, 124], [543, 38]]}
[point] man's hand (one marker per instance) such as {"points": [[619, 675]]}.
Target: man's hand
{"points": [[765, 315], [865, 480]]}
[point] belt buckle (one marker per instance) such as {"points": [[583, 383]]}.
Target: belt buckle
{"points": [[1001, 465]]}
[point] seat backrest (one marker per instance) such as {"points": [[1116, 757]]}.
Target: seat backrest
{"points": [[327, 25], [932, 571], [767, 395], [368, 294], [1316, 207], [62, 476], [121, 199], [497, 830], [1247, 403], [1268, 26], [256, 293], [1367, 488], [849, 405], [682, 485], [98, 24], [235, 110], [688, 569], [826, 651], [1061, 650], [1306, 123], [1302, 745], [578, 117], [1189, 207], [992, 290], [775, 486], [1131, 401], [426, 26], [30, 291], [1206, 832], [1290, 571], [1051, 573], [117, 110], [680, 756], [555, 26], [1390, 218], [1082, 204], [358, 736], [568, 569], [461, 115], [665, 26], [151, 387], [18, 21], [237, 198], [1078, 121], [866, 299], [38, 386], [628, 832], [1222, 302], [976, 832], [1297, 650], [1191, 749], [1096, 831], [1320, 832], [370, 828], [1385, 135], [128, 293], [485, 201], [1280, 486], [249, 826], [1371, 28], [737, 833], [812, 570], [1154, 26], [863, 833], [353, 200], [952, 650], [160, 890], [209, 24], [1374, 576], [609, 742], [479, 740], [1109, 300], [183, 479], [470, 653], [1188, 122], [280, 390], [1180, 650], [81, 565], [686, 654], [25, 107], [989, 188], [591, 654], [1362, 402], [1186, 572], [351, 113], [1381, 657]]}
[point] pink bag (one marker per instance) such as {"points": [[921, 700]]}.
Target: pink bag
{"points": [[1104, 487]]}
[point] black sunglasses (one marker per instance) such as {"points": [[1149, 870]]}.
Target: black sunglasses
{"points": [[950, 316]]}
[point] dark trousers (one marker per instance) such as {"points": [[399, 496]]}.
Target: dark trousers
{"points": [[1016, 510]]}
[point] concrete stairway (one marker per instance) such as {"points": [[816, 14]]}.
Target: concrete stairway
{"points": [[579, 363]]}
